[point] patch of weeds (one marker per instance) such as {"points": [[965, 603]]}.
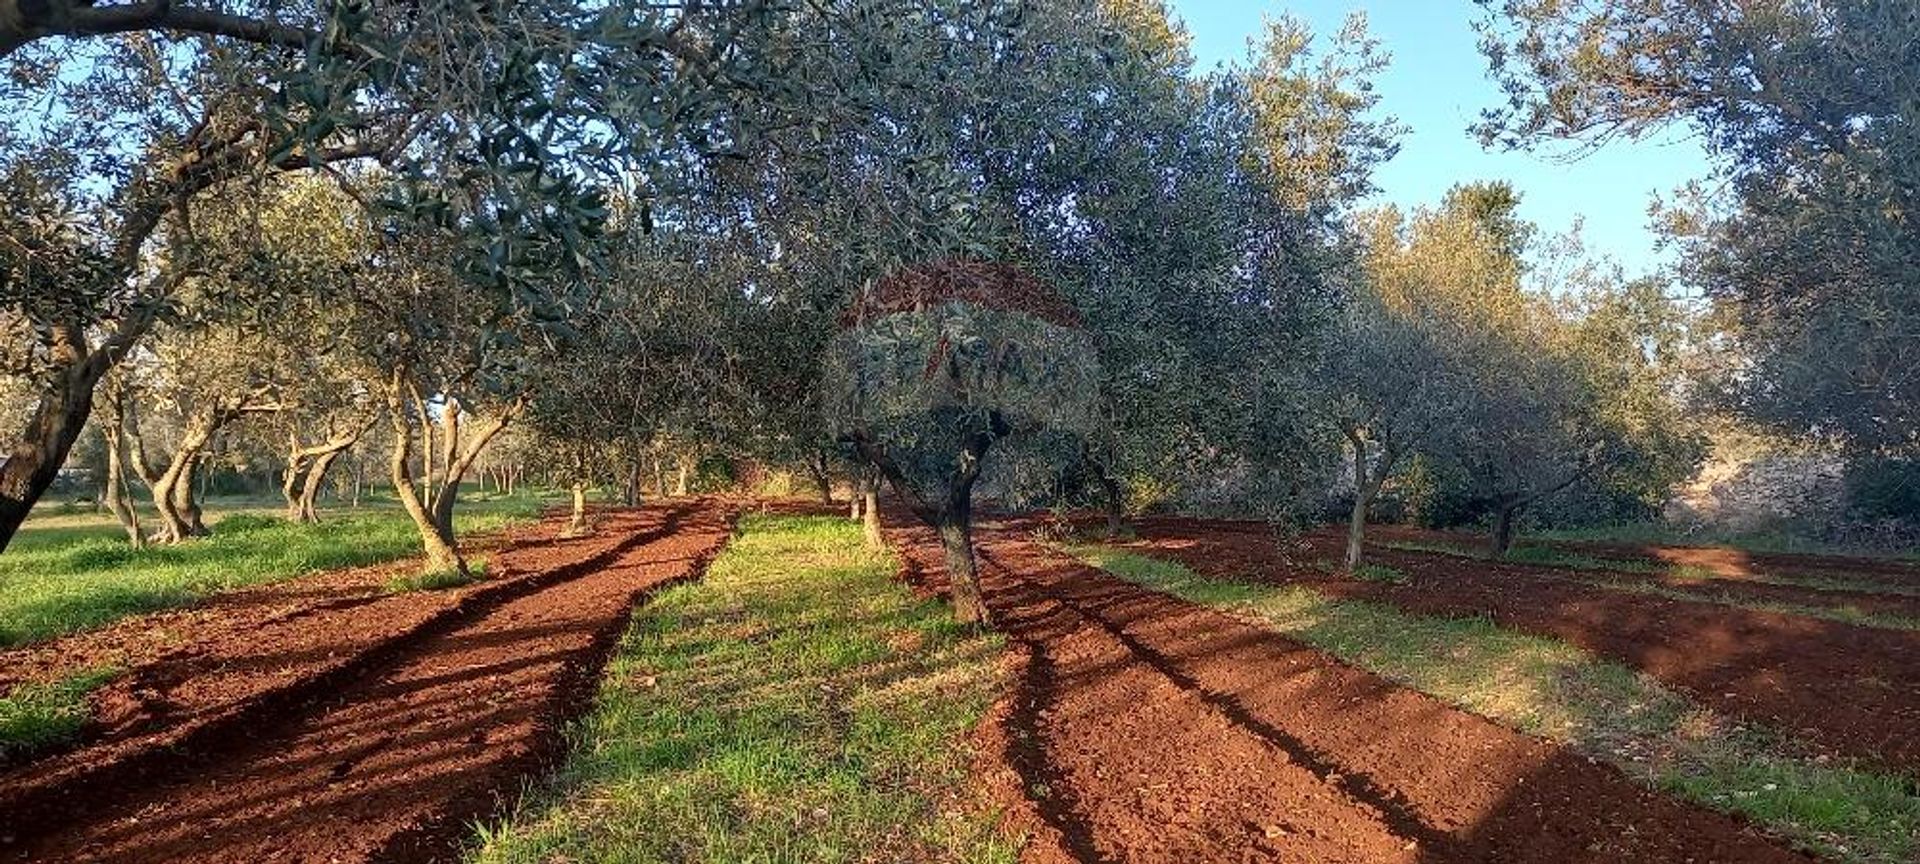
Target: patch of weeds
{"points": [[436, 580], [1608, 711], [38, 715], [796, 704], [1379, 573]]}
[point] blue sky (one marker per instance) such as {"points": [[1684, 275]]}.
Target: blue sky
{"points": [[1437, 85]]}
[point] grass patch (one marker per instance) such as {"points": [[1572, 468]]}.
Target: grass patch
{"points": [[795, 705], [69, 576], [37, 715], [1549, 688], [436, 580], [1379, 573]]}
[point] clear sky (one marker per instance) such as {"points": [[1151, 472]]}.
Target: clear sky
{"points": [[1437, 86]]}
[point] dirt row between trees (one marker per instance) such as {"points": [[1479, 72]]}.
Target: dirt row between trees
{"points": [[1145, 728], [340, 724], [1733, 574], [1843, 689]]}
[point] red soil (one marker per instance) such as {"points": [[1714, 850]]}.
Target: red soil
{"points": [[1789, 671], [1723, 561], [351, 727], [1711, 584], [1144, 728]]}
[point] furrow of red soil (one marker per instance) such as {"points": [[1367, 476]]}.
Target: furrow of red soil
{"points": [[1147, 729], [1844, 689], [1710, 574], [407, 716], [1734, 563]]}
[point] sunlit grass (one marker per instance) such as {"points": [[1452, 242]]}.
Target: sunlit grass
{"points": [[63, 576], [1555, 690], [795, 705], [437, 580], [36, 715]]}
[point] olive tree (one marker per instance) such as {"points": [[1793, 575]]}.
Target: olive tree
{"points": [[494, 125], [1810, 109], [937, 365]]}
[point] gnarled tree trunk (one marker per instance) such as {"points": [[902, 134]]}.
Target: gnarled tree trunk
{"points": [[950, 514], [307, 471], [173, 489], [439, 548], [1501, 539], [459, 459], [114, 492], [34, 459], [316, 478], [630, 486]]}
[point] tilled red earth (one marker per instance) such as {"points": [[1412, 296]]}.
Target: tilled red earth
{"points": [[1877, 587], [1144, 728], [1848, 689], [350, 725], [1734, 563]]}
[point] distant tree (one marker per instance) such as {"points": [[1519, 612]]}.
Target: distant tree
{"points": [[1813, 110], [1393, 380], [1510, 384]]}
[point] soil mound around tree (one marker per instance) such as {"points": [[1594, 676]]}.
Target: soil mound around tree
{"points": [[366, 727], [1147, 729]]}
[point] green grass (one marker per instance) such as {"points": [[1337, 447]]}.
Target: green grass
{"points": [[1611, 712], [36, 715], [1379, 573], [437, 580], [67, 574], [795, 705]]}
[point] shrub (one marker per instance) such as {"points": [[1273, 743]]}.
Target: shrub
{"points": [[1881, 489]]}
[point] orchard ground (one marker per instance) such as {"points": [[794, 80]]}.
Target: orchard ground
{"points": [[733, 679]]}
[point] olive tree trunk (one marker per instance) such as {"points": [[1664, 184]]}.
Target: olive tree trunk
{"points": [[1501, 540], [949, 513], [36, 454], [114, 490], [1367, 483], [955, 525], [870, 517], [577, 525], [438, 547], [822, 478], [316, 479], [460, 458], [307, 468], [173, 489]]}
